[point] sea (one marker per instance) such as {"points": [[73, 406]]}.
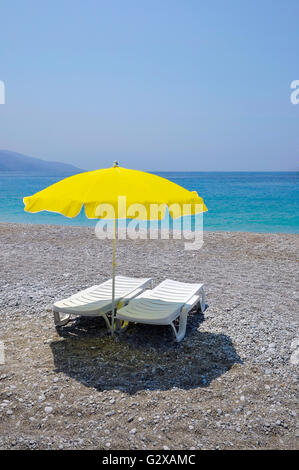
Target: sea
{"points": [[237, 201]]}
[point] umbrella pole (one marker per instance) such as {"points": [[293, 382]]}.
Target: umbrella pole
{"points": [[113, 278]]}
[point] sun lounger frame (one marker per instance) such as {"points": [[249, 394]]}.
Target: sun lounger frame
{"points": [[96, 301], [164, 304]]}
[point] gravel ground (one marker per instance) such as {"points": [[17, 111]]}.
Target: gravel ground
{"points": [[230, 384]]}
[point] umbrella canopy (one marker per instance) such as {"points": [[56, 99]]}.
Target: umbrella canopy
{"points": [[105, 186], [101, 187]]}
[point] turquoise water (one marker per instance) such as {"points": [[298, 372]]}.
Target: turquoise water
{"points": [[257, 202]]}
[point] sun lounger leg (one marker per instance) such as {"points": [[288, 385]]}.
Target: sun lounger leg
{"points": [[60, 321], [180, 333], [108, 324], [203, 300], [202, 303]]}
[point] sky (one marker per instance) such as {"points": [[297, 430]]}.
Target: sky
{"points": [[181, 85]]}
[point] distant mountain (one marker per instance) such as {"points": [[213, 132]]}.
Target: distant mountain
{"points": [[12, 161]]}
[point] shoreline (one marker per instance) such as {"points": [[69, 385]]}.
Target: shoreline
{"points": [[230, 384], [91, 226]]}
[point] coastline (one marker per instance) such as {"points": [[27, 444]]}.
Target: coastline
{"points": [[230, 383], [88, 227]]}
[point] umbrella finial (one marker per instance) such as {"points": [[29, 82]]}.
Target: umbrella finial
{"points": [[115, 164]]}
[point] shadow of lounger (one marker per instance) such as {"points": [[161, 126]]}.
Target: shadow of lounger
{"points": [[143, 359]]}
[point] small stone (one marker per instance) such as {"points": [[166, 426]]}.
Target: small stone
{"points": [[48, 409], [295, 344], [133, 431], [294, 359]]}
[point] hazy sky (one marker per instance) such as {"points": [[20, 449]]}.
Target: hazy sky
{"points": [[156, 84]]}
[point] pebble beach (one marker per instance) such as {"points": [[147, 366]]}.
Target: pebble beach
{"points": [[230, 384]]}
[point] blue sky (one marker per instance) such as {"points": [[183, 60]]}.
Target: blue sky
{"points": [[157, 84]]}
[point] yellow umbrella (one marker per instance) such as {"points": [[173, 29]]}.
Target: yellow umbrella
{"points": [[107, 188]]}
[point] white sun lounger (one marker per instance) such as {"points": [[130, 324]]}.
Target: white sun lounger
{"points": [[97, 300], [164, 304]]}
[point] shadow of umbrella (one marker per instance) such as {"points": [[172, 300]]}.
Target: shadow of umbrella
{"points": [[143, 358]]}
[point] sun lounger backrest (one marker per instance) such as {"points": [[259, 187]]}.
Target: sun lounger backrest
{"points": [[175, 291], [123, 286]]}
